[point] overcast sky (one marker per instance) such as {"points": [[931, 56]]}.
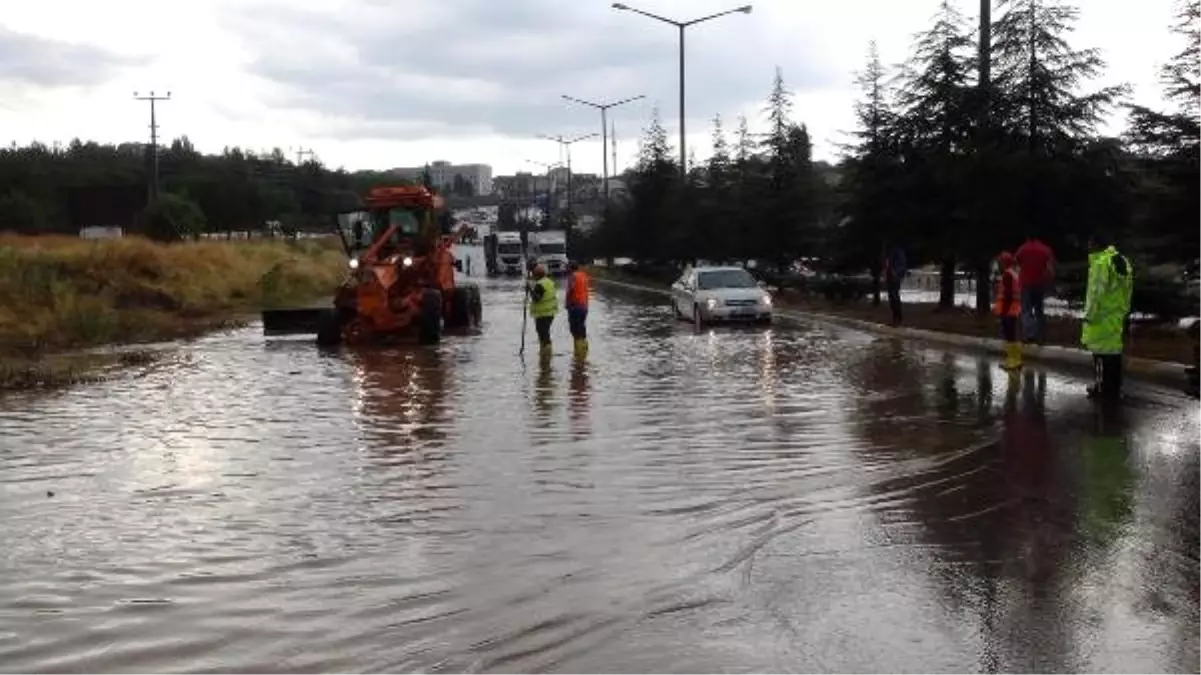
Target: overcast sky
{"points": [[387, 83]]}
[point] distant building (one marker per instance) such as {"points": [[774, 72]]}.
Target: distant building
{"points": [[522, 184], [442, 175]]}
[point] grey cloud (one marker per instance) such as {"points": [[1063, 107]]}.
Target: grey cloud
{"points": [[38, 61], [459, 65]]}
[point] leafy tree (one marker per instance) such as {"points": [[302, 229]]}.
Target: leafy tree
{"points": [[19, 211], [462, 187], [172, 217], [85, 183]]}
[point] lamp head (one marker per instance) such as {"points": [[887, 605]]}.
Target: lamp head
{"points": [[745, 10], [618, 5]]}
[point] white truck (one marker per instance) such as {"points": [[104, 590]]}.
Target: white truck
{"points": [[549, 248], [509, 254]]}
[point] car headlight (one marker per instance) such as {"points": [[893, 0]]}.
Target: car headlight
{"points": [[354, 263], [711, 303], [766, 300], [407, 262]]}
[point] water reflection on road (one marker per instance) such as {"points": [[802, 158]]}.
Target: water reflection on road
{"points": [[800, 498]]}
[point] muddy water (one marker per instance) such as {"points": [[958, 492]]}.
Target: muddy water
{"points": [[794, 499]]}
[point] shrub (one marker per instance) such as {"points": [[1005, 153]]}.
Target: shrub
{"points": [[839, 289]]}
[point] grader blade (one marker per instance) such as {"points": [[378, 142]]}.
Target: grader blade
{"points": [[299, 321]]}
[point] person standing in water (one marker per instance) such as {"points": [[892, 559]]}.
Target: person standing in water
{"points": [[577, 306]]}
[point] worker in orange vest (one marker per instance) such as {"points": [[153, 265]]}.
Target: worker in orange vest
{"points": [[577, 306], [1007, 306]]}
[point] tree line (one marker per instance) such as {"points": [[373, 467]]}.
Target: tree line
{"points": [[957, 153], [48, 190]]}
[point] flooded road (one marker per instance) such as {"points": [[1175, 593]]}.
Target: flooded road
{"points": [[802, 498]]}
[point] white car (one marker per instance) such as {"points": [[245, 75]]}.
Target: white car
{"points": [[707, 295]]}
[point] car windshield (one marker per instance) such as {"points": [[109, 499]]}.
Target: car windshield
{"points": [[509, 248], [552, 248], [724, 279]]}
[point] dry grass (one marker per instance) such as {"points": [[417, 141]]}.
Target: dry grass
{"points": [[60, 293]]}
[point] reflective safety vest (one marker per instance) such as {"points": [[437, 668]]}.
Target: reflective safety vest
{"points": [[548, 304], [998, 303], [577, 292], [1107, 301]]}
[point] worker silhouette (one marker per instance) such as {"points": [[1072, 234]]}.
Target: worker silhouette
{"points": [[544, 304]]}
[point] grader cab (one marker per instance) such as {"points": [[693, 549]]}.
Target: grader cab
{"points": [[401, 280]]}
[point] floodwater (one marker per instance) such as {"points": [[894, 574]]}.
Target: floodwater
{"points": [[800, 498]]}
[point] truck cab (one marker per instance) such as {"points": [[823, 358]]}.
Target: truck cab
{"points": [[510, 253], [549, 248]]}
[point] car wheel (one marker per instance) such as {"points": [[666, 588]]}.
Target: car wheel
{"points": [[697, 322]]}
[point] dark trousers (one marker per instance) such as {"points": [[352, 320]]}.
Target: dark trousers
{"points": [[542, 327], [1108, 371], [894, 300], [1034, 317], [1009, 328], [576, 318]]}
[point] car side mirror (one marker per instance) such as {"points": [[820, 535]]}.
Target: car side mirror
{"points": [[761, 284]]}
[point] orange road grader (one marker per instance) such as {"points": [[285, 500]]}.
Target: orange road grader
{"points": [[401, 278]]}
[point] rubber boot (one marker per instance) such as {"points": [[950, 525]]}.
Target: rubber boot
{"points": [[1012, 358], [1017, 355], [545, 349], [581, 347]]}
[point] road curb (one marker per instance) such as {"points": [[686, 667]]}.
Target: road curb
{"points": [[1170, 374]]}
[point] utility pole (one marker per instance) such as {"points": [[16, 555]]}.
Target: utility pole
{"points": [[153, 99], [300, 153]]}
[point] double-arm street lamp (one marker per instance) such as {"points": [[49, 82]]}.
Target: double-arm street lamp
{"points": [[604, 109], [746, 9], [550, 193], [565, 144]]}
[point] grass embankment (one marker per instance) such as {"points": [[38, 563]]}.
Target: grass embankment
{"points": [[61, 294], [1149, 341]]}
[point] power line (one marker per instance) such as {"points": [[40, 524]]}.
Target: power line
{"points": [[153, 99]]}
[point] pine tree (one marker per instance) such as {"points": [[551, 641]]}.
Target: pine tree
{"points": [[717, 229], [870, 170], [744, 147], [1039, 75], [1168, 142], [653, 225], [719, 161], [789, 214], [934, 129], [1046, 120]]}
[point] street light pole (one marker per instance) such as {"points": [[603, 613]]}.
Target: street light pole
{"points": [[604, 109], [549, 191], [566, 145], [681, 25]]}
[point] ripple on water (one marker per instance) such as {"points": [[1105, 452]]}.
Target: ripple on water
{"points": [[681, 502]]}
